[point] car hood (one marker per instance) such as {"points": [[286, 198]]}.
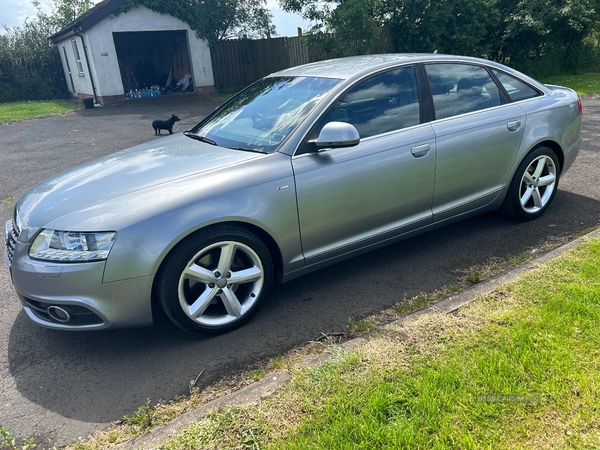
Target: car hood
{"points": [[144, 166]]}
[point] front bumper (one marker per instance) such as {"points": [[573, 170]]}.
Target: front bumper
{"points": [[73, 296]]}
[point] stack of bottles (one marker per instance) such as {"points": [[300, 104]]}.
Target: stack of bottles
{"points": [[153, 91]]}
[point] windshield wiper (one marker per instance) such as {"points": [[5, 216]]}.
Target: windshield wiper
{"points": [[199, 138], [255, 150]]}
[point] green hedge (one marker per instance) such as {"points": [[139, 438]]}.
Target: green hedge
{"points": [[30, 65]]}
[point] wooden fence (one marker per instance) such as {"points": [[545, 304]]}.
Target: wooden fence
{"points": [[237, 63]]}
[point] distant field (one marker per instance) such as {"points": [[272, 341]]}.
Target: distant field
{"points": [[585, 83], [26, 110]]}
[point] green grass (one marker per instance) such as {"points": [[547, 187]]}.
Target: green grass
{"points": [[9, 442], [359, 326], [417, 302], [25, 110], [519, 368], [587, 83]]}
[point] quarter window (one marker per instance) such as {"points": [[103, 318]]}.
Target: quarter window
{"points": [[77, 57], [516, 89], [380, 104], [461, 88]]}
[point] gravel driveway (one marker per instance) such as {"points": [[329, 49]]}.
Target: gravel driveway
{"points": [[58, 387]]}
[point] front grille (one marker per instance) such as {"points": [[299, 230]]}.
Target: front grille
{"points": [[79, 314], [11, 240]]}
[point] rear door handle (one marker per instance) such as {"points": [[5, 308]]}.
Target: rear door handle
{"points": [[420, 150], [514, 126]]}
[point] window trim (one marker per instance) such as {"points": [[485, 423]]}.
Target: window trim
{"points": [[77, 57]]}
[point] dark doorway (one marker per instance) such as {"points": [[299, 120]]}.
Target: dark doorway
{"points": [[152, 58]]}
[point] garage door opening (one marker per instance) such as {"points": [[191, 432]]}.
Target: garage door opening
{"points": [[151, 59]]}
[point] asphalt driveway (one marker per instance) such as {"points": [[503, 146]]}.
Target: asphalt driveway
{"points": [[58, 387]]}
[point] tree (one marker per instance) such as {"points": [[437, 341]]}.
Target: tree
{"points": [[356, 24], [458, 26], [63, 12], [216, 20], [448, 26], [538, 36], [554, 31], [30, 65]]}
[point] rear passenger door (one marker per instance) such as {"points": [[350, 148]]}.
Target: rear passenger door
{"points": [[477, 137]]}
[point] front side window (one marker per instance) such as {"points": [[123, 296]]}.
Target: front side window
{"points": [[382, 103], [262, 116], [461, 88], [77, 57], [516, 89]]}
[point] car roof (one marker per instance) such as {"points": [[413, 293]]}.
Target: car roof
{"points": [[344, 68]]}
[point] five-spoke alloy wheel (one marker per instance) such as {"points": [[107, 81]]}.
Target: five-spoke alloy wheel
{"points": [[215, 280], [533, 186]]}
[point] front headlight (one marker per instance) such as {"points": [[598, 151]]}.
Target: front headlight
{"points": [[69, 246]]}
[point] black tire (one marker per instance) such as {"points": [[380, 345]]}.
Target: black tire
{"points": [[533, 186], [215, 280]]}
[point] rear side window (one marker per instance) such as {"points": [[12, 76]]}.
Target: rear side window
{"points": [[461, 88], [385, 102], [517, 90]]}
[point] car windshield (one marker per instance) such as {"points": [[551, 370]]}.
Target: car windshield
{"points": [[262, 116]]}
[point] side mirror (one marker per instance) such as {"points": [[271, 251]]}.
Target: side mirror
{"points": [[337, 135]]}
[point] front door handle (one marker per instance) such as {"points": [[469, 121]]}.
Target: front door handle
{"points": [[514, 126], [420, 150]]}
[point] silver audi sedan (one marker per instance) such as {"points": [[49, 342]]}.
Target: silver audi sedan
{"points": [[304, 168]]}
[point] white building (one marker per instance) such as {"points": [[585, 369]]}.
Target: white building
{"points": [[106, 55]]}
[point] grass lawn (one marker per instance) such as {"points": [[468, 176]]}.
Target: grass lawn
{"points": [[26, 110], [586, 83], [519, 368]]}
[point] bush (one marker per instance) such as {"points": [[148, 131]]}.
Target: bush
{"points": [[30, 65]]}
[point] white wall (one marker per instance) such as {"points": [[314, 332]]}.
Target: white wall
{"points": [[103, 55], [66, 52], [80, 81]]}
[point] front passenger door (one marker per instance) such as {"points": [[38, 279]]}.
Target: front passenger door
{"points": [[349, 198]]}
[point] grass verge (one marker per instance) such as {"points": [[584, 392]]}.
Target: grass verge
{"points": [[10, 112], [519, 368], [585, 83], [148, 417]]}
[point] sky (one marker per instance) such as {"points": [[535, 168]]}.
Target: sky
{"points": [[14, 12]]}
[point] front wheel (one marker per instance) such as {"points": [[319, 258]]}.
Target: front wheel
{"points": [[215, 280], [533, 186]]}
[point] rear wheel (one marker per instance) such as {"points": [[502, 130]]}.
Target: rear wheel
{"points": [[533, 186], [215, 280]]}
